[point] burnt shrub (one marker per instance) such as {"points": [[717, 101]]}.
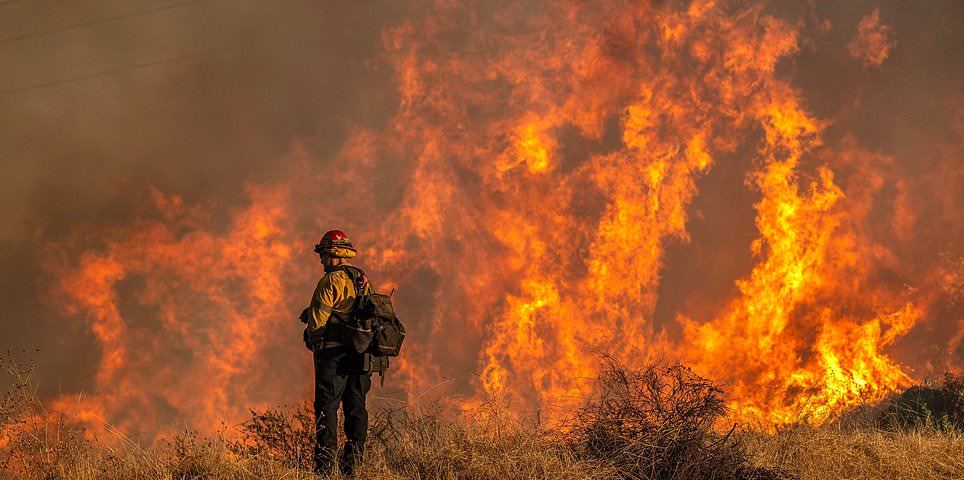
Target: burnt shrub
{"points": [[282, 435], [659, 423], [940, 406]]}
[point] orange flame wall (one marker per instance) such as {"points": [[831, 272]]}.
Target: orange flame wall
{"points": [[543, 171]]}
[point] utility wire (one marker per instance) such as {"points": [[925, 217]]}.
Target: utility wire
{"points": [[136, 66], [98, 21], [89, 76]]}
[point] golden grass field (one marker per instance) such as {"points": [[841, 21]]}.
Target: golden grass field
{"points": [[625, 433]]}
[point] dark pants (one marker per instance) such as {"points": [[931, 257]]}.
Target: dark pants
{"points": [[333, 385]]}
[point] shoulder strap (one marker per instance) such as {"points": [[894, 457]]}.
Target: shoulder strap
{"points": [[357, 277]]}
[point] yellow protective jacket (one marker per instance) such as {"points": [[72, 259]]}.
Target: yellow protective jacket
{"points": [[332, 301]]}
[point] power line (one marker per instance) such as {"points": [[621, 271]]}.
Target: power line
{"points": [[97, 21], [89, 76], [137, 66]]}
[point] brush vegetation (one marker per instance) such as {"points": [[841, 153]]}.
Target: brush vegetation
{"points": [[659, 422]]}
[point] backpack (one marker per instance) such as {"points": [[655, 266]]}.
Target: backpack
{"points": [[374, 329]]}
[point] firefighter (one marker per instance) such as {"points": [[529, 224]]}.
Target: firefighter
{"points": [[335, 379]]}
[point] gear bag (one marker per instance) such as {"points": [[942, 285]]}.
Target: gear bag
{"points": [[388, 333], [373, 331]]}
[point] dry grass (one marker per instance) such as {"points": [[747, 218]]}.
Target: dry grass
{"points": [[835, 452], [655, 423], [488, 443]]}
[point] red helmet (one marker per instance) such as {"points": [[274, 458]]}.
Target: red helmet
{"points": [[332, 239]]}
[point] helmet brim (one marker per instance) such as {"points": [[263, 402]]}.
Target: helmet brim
{"points": [[319, 249]]}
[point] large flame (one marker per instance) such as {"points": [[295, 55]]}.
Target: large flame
{"points": [[522, 201]]}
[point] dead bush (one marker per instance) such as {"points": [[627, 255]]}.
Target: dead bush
{"points": [[658, 423], [282, 435]]}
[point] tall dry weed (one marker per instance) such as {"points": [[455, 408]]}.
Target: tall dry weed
{"points": [[34, 442]]}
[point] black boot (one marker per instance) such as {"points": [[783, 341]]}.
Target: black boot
{"points": [[351, 458], [324, 461]]}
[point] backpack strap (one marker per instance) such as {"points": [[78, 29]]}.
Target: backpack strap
{"points": [[357, 277], [358, 280]]}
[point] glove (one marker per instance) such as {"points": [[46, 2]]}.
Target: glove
{"points": [[307, 340], [305, 315]]}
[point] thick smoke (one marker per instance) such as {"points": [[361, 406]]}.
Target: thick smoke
{"points": [[238, 85]]}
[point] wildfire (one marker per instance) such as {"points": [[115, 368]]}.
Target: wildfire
{"points": [[546, 163]]}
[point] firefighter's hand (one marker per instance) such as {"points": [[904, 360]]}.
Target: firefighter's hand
{"points": [[305, 315], [307, 340]]}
